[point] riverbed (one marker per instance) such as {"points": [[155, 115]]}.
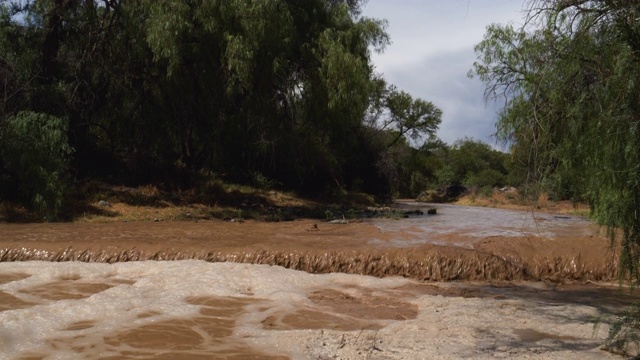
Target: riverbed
{"points": [[465, 283]]}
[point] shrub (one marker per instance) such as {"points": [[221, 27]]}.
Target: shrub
{"points": [[35, 150], [624, 331]]}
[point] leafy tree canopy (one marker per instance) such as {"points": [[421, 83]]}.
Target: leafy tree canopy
{"points": [[164, 91], [569, 82]]}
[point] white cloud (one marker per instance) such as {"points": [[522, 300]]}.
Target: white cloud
{"points": [[432, 51]]}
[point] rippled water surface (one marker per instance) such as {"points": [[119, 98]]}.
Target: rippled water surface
{"points": [[212, 307], [470, 224]]}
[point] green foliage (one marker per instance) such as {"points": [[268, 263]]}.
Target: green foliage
{"points": [[328, 215], [625, 329], [446, 175], [401, 133], [485, 178], [473, 163], [409, 117], [572, 111], [262, 182], [35, 149], [273, 93]]}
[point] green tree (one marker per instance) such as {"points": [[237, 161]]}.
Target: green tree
{"points": [[152, 88], [571, 90], [35, 149], [164, 91], [471, 162], [399, 113], [402, 131]]}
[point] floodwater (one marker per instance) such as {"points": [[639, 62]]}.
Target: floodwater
{"points": [[470, 224], [526, 285]]}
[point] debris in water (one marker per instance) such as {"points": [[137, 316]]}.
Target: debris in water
{"points": [[339, 221], [234, 220]]}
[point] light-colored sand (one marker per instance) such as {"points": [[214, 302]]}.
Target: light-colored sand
{"points": [[197, 310]]}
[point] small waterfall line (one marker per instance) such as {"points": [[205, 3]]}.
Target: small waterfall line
{"points": [[470, 266]]}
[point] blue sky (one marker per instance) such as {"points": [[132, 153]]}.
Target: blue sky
{"points": [[432, 51]]}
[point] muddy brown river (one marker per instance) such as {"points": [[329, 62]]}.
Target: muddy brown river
{"points": [[465, 283]]}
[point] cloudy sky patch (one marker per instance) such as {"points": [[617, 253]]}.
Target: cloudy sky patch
{"points": [[432, 52]]}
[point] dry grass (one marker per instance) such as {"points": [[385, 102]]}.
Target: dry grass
{"points": [[514, 201], [118, 212], [11, 212], [212, 200], [219, 201]]}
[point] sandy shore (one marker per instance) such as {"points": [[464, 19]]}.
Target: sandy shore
{"points": [[197, 310]]}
